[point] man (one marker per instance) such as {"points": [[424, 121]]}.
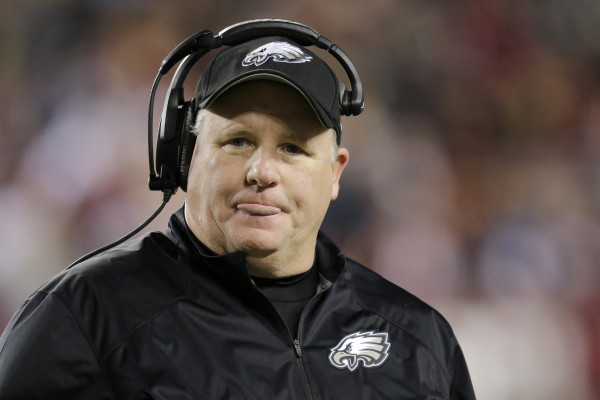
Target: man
{"points": [[242, 297]]}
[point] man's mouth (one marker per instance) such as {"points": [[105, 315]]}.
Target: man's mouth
{"points": [[258, 209]]}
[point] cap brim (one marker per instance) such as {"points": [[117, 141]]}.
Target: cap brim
{"points": [[270, 76]]}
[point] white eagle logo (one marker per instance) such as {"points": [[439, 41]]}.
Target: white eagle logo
{"points": [[368, 348], [278, 52]]}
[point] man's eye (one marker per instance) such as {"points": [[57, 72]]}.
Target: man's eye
{"points": [[238, 142], [292, 149]]}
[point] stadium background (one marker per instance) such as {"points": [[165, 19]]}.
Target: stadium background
{"points": [[474, 179]]}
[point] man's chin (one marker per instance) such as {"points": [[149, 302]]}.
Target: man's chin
{"points": [[258, 249], [257, 239], [258, 243]]}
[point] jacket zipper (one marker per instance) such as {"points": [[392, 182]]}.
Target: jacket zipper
{"points": [[305, 384], [296, 342], [298, 348]]}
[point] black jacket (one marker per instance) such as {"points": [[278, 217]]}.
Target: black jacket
{"points": [[158, 318]]}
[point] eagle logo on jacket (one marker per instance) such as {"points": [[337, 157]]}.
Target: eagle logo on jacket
{"points": [[367, 348], [278, 52]]}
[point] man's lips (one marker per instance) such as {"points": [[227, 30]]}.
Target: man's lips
{"points": [[258, 209]]}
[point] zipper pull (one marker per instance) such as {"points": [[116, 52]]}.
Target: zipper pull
{"points": [[297, 347]]}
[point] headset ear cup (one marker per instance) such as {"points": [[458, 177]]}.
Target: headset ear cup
{"points": [[345, 103], [188, 142]]}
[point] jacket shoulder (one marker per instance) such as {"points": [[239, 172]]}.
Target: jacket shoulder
{"points": [[405, 311], [120, 289]]}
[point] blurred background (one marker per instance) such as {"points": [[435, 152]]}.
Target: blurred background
{"points": [[474, 179]]}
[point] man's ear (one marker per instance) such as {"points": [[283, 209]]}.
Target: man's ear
{"points": [[338, 166]]}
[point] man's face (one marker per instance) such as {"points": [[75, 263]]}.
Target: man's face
{"points": [[263, 173]]}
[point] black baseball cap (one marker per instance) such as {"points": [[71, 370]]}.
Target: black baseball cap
{"points": [[280, 59]]}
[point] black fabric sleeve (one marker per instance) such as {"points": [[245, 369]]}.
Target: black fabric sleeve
{"points": [[45, 355], [462, 388]]}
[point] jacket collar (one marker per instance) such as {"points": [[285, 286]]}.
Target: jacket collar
{"points": [[329, 258]]}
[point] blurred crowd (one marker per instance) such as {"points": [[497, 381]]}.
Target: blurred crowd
{"points": [[474, 179]]}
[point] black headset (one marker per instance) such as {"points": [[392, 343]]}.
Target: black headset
{"points": [[176, 139]]}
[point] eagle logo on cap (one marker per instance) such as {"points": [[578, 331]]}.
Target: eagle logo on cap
{"points": [[278, 52], [367, 348]]}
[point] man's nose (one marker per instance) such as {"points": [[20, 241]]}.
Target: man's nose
{"points": [[263, 169]]}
